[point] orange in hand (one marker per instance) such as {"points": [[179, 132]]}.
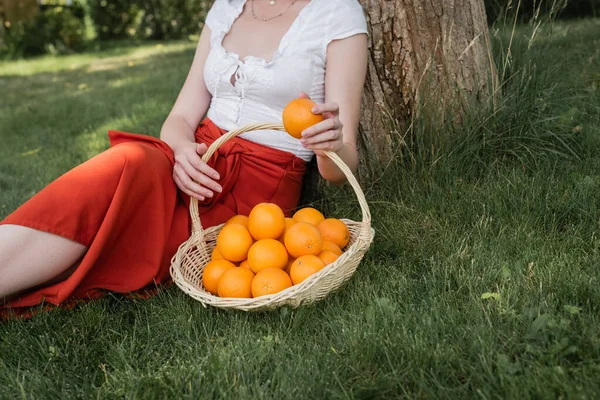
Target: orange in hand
{"points": [[297, 116], [236, 282], [270, 281]]}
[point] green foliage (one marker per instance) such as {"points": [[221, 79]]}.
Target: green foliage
{"points": [[51, 30], [152, 19], [114, 19], [172, 19], [528, 9]]}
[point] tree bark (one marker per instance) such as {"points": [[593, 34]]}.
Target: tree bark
{"points": [[18, 10], [434, 51], [14, 11]]}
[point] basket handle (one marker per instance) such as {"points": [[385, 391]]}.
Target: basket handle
{"points": [[366, 213]]}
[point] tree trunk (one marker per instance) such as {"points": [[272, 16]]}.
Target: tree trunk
{"points": [[436, 51], [17, 10], [14, 11]]}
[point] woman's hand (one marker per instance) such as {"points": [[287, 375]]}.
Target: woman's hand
{"points": [[327, 134], [192, 175]]}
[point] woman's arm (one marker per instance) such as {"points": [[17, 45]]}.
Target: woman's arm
{"points": [[193, 100], [344, 80], [193, 176]]}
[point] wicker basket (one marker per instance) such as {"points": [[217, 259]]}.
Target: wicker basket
{"points": [[193, 255]]}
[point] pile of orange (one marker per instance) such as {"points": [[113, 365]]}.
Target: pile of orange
{"points": [[265, 252]]}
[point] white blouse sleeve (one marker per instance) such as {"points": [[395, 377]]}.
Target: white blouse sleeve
{"points": [[347, 18], [215, 17]]}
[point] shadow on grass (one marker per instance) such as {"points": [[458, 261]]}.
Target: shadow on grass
{"points": [[75, 101], [108, 87], [52, 121]]}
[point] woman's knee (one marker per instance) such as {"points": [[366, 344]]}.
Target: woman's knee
{"points": [[142, 157]]}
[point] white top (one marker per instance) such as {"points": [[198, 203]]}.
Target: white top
{"points": [[262, 89]]}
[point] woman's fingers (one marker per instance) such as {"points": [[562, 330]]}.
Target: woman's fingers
{"points": [[192, 175], [331, 107], [201, 165], [327, 136], [329, 140], [184, 189], [334, 146], [209, 172], [186, 179], [201, 148], [330, 124], [187, 182], [200, 177]]}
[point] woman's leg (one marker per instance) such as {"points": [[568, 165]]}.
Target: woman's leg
{"points": [[29, 258], [111, 220]]}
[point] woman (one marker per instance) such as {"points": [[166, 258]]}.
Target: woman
{"points": [[114, 222]]}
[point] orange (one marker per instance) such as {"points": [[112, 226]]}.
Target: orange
{"points": [[335, 231], [334, 248], [238, 219], [288, 222], [289, 265], [304, 267], [236, 282], [245, 264], [308, 214], [233, 242], [270, 281], [216, 255], [267, 253], [303, 238], [212, 272], [328, 257], [266, 221], [297, 116]]}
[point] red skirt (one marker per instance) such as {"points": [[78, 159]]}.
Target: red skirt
{"points": [[124, 206]]}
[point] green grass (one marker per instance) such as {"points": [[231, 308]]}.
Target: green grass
{"points": [[482, 282]]}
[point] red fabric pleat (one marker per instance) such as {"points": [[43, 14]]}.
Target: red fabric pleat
{"points": [[124, 206]]}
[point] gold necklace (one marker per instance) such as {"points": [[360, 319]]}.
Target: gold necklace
{"points": [[272, 2]]}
